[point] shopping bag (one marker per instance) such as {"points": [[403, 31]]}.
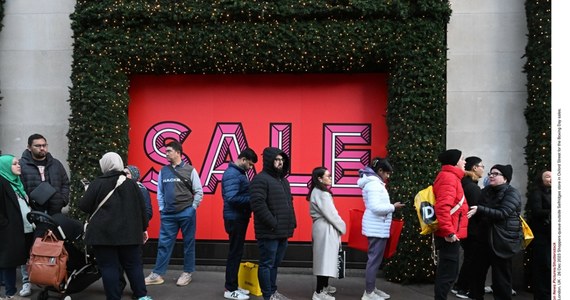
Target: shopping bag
{"points": [[355, 238], [392, 243], [247, 278], [527, 233], [341, 264]]}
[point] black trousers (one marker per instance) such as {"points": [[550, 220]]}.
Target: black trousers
{"points": [[501, 273], [467, 268], [112, 260], [236, 230], [447, 267], [541, 262]]}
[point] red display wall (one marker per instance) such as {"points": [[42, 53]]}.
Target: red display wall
{"points": [[332, 120]]}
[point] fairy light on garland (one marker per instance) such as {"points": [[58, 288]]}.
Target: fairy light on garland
{"points": [[538, 111], [114, 39]]}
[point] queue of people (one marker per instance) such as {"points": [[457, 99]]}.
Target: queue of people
{"points": [[469, 217]]}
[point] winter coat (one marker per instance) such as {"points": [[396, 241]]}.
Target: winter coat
{"points": [[12, 248], [378, 212], [500, 206], [271, 200], [122, 219], [472, 195], [54, 173], [235, 192], [448, 193], [328, 226], [539, 206]]}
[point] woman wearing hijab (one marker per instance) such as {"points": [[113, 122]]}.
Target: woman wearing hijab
{"points": [[134, 174], [13, 246], [116, 239]]}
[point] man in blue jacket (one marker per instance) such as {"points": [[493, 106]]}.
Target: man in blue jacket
{"points": [[274, 221], [237, 212]]}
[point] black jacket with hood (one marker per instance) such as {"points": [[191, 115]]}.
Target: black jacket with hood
{"points": [[271, 199]]}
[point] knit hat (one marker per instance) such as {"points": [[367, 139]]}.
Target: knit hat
{"points": [[471, 161], [506, 170], [449, 157]]}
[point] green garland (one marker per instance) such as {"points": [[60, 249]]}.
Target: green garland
{"points": [[407, 39], [538, 111]]}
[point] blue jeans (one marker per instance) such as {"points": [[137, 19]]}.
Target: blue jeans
{"points": [[185, 221], [236, 230], [271, 253], [112, 260]]}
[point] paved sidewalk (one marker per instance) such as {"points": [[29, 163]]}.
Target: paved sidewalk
{"points": [[208, 283]]}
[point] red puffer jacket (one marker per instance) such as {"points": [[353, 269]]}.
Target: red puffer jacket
{"points": [[448, 192]]}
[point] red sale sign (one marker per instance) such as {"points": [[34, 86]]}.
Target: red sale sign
{"points": [[332, 120]]}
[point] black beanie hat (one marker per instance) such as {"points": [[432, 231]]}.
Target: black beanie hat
{"points": [[506, 170], [471, 161], [449, 157]]}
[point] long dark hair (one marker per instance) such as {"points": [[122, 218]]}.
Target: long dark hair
{"points": [[317, 173]]}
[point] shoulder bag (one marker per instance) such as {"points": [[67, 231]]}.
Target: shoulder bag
{"points": [[120, 181]]}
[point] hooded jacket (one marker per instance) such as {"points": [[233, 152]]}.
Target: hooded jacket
{"points": [[55, 174], [448, 193], [235, 192], [378, 213], [271, 199]]}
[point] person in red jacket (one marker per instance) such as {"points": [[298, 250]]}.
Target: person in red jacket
{"points": [[451, 213]]}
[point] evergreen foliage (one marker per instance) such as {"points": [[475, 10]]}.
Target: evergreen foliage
{"points": [[407, 39]]}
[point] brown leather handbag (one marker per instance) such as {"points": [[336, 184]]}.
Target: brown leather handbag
{"points": [[47, 265]]}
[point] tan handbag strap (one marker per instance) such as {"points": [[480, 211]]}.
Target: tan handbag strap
{"points": [[120, 181]]}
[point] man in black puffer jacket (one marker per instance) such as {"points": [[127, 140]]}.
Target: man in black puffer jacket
{"points": [[274, 217], [499, 235], [39, 165]]}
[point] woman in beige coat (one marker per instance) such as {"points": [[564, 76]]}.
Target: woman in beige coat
{"points": [[327, 229]]}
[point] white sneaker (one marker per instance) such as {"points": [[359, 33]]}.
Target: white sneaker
{"points": [[26, 290], [278, 296], [371, 296], [322, 296], [329, 289], [235, 295], [488, 289], [184, 279], [381, 293], [243, 291], [153, 278]]}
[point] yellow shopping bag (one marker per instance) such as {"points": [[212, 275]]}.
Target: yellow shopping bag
{"points": [[247, 278]]}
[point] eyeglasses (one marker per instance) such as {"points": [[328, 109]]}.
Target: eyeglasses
{"points": [[493, 174], [40, 146], [279, 159], [481, 166]]}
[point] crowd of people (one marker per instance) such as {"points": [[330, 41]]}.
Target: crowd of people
{"points": [[484, 222]]}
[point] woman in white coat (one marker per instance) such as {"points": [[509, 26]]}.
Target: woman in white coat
{"points": [[327, 229], [376, 220]]}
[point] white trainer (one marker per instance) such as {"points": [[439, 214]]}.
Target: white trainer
{"points": [[371, 296], [235, 295], [243, 291], [322, 296], [329, 289], [381, 293]]}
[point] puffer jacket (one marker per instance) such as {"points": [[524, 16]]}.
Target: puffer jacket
{"points": [[448, 193], [271, 199], [55, 174], [501, 206], [378, 213], [235, 192]]}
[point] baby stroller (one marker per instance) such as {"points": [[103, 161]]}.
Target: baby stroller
{"points": [[82, 270]]}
